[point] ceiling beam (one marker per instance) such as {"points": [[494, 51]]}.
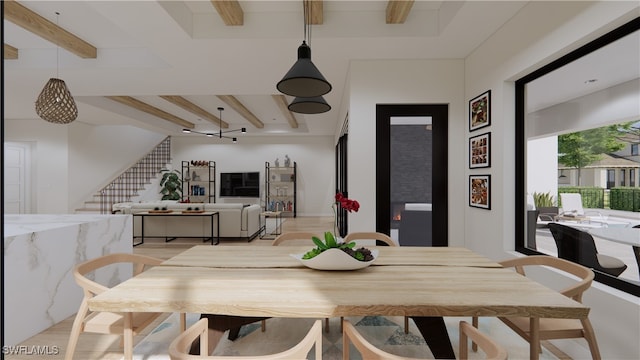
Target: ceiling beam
{"points": [[195, 109], [47, 30], [10, 52], [282, 104], [241, 109], [152, 110], [398, 10], [230, 12], [317, 12]]}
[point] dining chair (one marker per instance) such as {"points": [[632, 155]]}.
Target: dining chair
{"points": [[378, 236], [107, 322], [554, 328], [295, 237], [363, 235], [491, 349], [369, 351], [180, 346], [578, 246]]}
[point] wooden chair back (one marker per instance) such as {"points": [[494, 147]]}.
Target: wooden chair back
{"points": [[294, 235], [107, 322], [370, 236], [366, 349], [555, 328], [179, 347], [491, 349], [573, 291]]}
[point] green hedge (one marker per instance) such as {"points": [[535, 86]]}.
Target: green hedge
{"points": [[625, 198], [592, 197]]}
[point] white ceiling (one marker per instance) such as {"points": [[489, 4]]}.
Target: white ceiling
{"points": [[150, 48]]}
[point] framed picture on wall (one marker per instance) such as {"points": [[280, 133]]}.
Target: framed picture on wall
{"points": [[480, 191], [480, 151], [480, 111]]}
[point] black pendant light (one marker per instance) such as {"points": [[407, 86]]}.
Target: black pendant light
{"points": [[220, 133], [304, 79], [309, 105]]}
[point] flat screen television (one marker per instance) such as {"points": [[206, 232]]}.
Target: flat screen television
{"points": [[240, 184]]}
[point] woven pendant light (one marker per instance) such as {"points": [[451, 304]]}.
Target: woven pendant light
{"points": [[55, 103]]}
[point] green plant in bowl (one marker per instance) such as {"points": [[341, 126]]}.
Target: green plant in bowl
{"points": [[330, 242]]}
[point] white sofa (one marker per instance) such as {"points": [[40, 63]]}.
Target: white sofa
{"points": [[235, 220]]}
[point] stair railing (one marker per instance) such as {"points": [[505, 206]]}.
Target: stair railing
{"points": [[134, 179]]}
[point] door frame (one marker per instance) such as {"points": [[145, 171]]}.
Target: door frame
{"points": [[440, 190]]}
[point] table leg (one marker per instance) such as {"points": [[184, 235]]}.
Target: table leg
{"points": [[218, 324], [534, 338], [217, 216], [434, 332]]}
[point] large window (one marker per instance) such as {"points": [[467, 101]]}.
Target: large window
{"points": [[592, 87]]}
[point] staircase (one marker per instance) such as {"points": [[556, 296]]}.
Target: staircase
{"points": [[131, 182]]}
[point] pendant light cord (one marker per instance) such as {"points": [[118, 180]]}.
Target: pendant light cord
{"points": [[57, 47], [306, 7]]}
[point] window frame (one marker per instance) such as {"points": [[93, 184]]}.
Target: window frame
{"points": [[520, 144]]}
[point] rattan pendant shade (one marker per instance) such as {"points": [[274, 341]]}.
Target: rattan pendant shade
{"points": [[55, 103]]}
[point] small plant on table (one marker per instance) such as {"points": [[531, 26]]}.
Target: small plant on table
{"points": [[362, 254]]}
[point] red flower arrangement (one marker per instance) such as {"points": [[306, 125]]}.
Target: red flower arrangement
{"points": [[346, 203]]}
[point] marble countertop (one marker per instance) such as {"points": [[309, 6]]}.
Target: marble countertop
{"points": [[20, 224]]}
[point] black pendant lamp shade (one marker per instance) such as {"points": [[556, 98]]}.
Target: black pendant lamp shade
{"points": [[309, 105], [304, 79]]}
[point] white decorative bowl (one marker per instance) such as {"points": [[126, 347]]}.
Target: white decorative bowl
{"points": [[335, 259]]}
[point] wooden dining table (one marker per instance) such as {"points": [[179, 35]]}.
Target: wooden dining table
{"points": [[423, 283]]}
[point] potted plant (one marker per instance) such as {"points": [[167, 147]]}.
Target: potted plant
{"points": [[170, 185], [545, 203], [361, 254]]}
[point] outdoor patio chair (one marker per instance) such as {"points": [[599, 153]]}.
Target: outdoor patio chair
{"points": [[578, 246]]}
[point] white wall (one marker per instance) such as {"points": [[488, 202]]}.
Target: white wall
{"points": [[98, 154], [314, 156], [50, 179], [74, 160], [403, 82], [542, 165], [521, 46]]}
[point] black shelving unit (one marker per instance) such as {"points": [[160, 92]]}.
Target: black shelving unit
{"points": [[281, 189], [199, 181]]}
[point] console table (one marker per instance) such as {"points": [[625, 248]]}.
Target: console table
{"points": [[277, 215], [210, 214]]}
